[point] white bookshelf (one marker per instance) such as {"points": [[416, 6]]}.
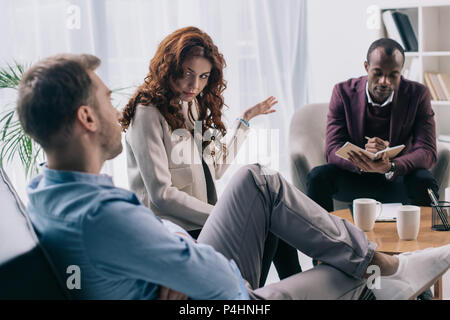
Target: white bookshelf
{"points": [[431, 23]]}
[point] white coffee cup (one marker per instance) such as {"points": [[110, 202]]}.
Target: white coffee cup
{"points": [[408, 222], [365, 213]]}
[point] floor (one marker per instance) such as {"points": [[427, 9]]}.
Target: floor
{"points": [[306, 263]]}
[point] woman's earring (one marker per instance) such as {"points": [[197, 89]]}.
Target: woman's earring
{"points": [[201, 94]]}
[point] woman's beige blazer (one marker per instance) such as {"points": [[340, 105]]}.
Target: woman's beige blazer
{"points": [[165, 168]]}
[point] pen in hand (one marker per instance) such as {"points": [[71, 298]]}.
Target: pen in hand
{"points": [[384, 143]]}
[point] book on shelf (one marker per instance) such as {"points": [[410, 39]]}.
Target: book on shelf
{"points": [[406, 31], [429, 84], [439, 85], [399, 28], [444, 81], [391, 27], [413, 72]]}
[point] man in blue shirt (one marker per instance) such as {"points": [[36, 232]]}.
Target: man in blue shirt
{"points": [[125, 252]]}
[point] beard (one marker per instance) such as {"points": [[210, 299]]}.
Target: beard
{"points": [[110, 140]]}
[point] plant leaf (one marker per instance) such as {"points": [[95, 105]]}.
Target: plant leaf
{"points": [[14, 141], [10, 75]]}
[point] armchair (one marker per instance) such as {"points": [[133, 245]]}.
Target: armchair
{"points": [[307, 147]]}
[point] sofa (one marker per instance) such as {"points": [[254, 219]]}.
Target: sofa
{"points": [[26, 272]]}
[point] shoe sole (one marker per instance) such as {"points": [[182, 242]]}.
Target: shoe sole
{"points": [[428, 285]]}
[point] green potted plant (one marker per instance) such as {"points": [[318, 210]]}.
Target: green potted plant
{"points": [[14, 143]]}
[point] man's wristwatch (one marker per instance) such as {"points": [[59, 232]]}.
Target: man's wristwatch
{"points": [[390, 173]]}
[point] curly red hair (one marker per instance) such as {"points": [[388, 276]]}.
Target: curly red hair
{"points": [[166, 68]]}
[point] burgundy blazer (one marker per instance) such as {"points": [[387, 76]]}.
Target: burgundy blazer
{"points": [[412, 124]]}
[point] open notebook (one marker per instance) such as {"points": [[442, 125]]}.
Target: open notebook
{"points": [[344, 151]]}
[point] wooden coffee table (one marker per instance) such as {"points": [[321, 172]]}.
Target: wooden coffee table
{"points": [[386, 236]]}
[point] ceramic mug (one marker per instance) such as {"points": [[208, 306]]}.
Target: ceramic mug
{"points": [[365, 213], [408, 222]]}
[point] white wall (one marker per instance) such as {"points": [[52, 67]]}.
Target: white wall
{"points": [[338, 39]]}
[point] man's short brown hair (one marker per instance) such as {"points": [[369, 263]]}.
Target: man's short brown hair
{"points": [[51, 92]]}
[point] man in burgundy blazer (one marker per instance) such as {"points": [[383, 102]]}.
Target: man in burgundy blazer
{"points": [[389, 110]]}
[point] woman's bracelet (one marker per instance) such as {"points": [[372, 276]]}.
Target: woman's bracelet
{"points": [[244, 122]]}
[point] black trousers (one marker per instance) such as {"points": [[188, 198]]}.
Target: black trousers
{"points": [[283, 255], [328, 181]]}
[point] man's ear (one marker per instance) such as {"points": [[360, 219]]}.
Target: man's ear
{"points": [[87, 118], [366, 66]]}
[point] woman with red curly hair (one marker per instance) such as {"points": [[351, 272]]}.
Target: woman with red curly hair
{"points": [[174, 131]]}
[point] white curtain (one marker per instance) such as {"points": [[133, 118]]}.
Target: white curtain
{"points": [[263, 41]]}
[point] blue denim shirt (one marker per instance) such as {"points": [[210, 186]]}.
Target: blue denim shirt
{"points": [[122, 249]]}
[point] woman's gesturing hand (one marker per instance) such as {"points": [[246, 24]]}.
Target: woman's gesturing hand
{"points": [[264, 107]]}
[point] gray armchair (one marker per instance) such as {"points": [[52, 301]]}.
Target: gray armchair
{"points": [[307, 146]]}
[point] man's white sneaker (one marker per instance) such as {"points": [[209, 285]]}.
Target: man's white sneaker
{"points": [[417, 271]]}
